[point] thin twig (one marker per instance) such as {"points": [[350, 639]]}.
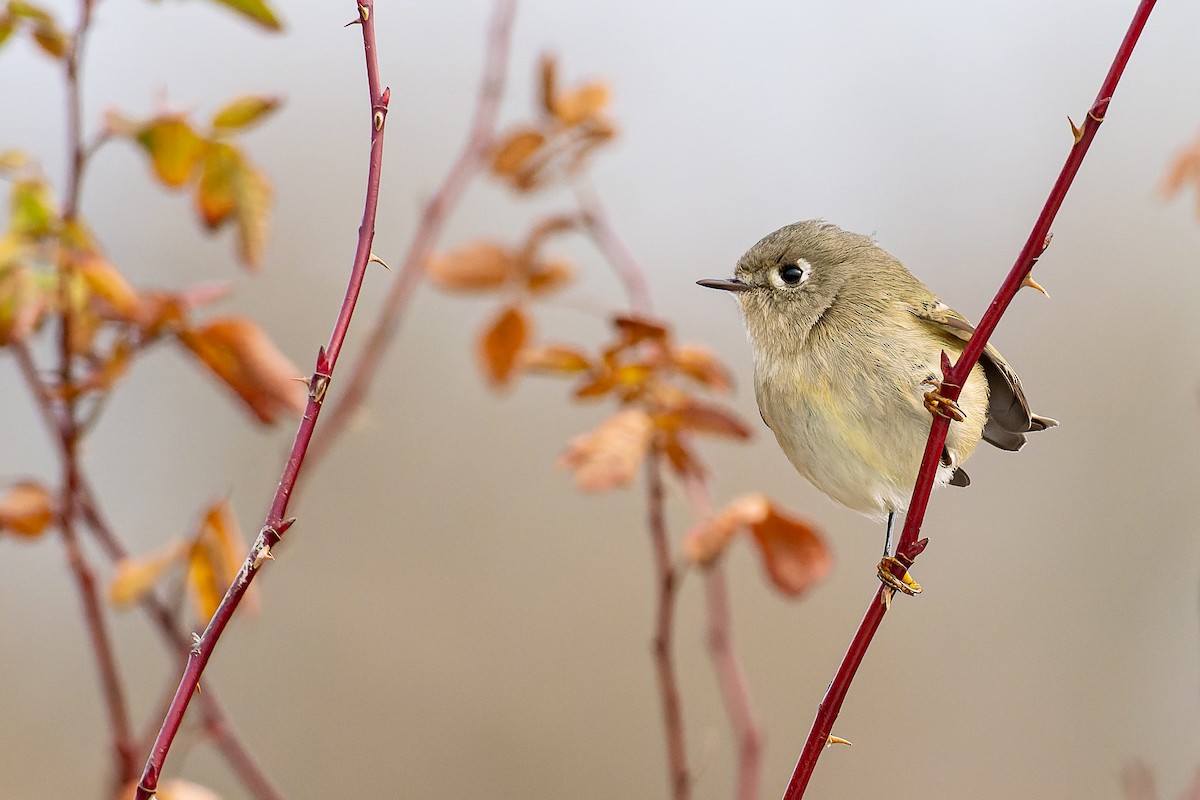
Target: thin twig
{"points": [[908, 548], [429, 229], [604, 234], [275, 524], [668, 585]]}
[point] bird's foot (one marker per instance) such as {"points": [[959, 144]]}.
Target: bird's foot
{"points": [[940, 405], [891, 584]]}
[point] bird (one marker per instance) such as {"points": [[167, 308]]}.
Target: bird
{"points": [[847, 350]]}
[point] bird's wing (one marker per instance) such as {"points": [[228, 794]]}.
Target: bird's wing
{"points": [[1009, 417]]}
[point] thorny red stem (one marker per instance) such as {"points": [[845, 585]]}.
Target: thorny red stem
{"points": [[954, 378], [429, 228], [664, 662], [275, 524]]}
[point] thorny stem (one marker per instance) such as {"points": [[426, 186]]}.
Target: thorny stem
{"points": [[668, 586], [216, 721], [275, 524], [429, 228], [908, 548]]}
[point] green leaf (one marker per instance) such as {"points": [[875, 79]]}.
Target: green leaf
{"points": [[255, 10], [32, 211], [174, 148], [244, 111], [26, 10]]}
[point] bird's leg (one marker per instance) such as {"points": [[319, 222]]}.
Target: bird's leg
{"points": [[940, 405], [892, 584]]}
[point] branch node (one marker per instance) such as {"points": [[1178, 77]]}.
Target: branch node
{"points": [[364, 12], [379, 114], [196, 641]]}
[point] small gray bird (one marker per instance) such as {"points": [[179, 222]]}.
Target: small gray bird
{"points": [[847, 364]]}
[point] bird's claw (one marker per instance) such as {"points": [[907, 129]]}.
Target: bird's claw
{"points": [[939, 405], [891, 584]]}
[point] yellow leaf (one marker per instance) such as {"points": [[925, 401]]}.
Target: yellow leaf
{"points": [[23, 303], [254, 200], [256, 11], [216, 194], [244, 111], [174, 148], [51, 39], [583, 103], [107, 283], [232, 187], [549, 276], [215, 557], [504, 337], [26, 509], [134, 578], [515, 151], [555, 359], [610, 455], [476, 266], [13, 160], [246, 361], [33, 212]]}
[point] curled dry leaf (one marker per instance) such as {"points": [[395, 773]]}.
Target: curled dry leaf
{"points": [[257, 11], [793, 553], [515, 152], [26, 509], [244, 112], [136, 577], [698, 417], [702, 366], [214, 558], [476, 266], [636, 329], [548, 276], [610, 455], [558, 359], [23, 303], [502, 340], [581, 104], [230, 187], [106, 283], [175, 149], [242, 356]]}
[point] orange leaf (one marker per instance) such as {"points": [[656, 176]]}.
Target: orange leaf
{"points": [[106, 282], [503, 339], [610, 455], [136, 577], [548, 74], [635, 329], [681, 458], [598, 385], [578, 105], [473, 267], [242, 356], [793, 552], [515, 151], [704, 418], [232, 187], [549, 276], [174, 148], [215, 557], [555, 359], [26, 509], [244, 111], [51, 39], [702, 366]]}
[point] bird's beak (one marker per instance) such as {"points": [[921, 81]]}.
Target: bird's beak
{"points": [[728, 284]]}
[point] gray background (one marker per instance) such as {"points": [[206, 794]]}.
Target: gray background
{"points": [[450, 618]]}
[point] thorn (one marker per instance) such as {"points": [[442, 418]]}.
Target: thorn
{"points": [[1076, 132], [380, 261], [1032, 284], [831, 739], [946, 365], [886, 597], [263, 555], [353, 22]]}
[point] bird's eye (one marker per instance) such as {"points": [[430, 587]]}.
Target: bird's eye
{"points": [[793, 274]]}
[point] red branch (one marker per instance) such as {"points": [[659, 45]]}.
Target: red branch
{"points": [[664, 661], [275, 524], [954, 377], [429, 229]]}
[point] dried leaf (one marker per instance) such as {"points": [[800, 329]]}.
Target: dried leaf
{"points": [[549, 276], [244, 111], [230, 187], [7, 26], [683, 461], [599, 384], [548, 74], [214, 558], [106, 282], [136, 577], [33, 212], [23, 304], [52, 40], [557, 359], [702, 366], [256, 11], [703, 418], [13, 160], [242, 356], [503, 339], [793, 552], [254, 200], [587, 101], [635, 329], [476, 266], [26, 509], [23, 9], [178, 789], [175, 150], [610, 455], [515, 151]]}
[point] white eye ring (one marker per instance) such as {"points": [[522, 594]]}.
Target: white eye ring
{"points": [[791, 275]]}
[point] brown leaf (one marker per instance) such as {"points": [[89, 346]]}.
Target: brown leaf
{"points": [[704, 418], [242, 356], [473, 267], [175, 150], [26, 509], [793, 552], [587, 101], [52, 40], [214, 558], [598, 384], [515, 151], [502, 340], [610, 455], [702, 366], [682, 459], [557, 359], [635, 329], [136, 577], [548, 74], [244, 111], [549, 276], [105, 282]]}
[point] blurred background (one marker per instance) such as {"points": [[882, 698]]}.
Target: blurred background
{"points": [[451, 617]]}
